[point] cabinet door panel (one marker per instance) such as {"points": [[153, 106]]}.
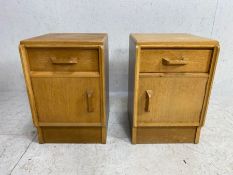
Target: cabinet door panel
{"points": [[67, 100], [170, 99]]}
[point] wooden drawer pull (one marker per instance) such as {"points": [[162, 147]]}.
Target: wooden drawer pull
{"points": [[71, 60], [90, 107], [149, 94], [169, 62]]}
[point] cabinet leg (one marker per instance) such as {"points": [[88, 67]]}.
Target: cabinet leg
{"points": [[197, 137], [104, 135], [40, 135], [134, 135]]}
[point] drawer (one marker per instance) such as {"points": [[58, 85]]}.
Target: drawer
{"points": [[175, 60], [63, 59], [171, 99]]}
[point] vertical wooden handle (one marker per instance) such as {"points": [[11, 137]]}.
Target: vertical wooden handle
{"points": [[90, 107], [148, 100]]}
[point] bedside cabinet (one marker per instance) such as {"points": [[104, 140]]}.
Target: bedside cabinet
{"points": [[170, 78], [67, 83]]}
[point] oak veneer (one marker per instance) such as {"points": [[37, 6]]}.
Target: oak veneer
{"points": [[44, 59], [170, 78], [153, 60], [67, 83]]}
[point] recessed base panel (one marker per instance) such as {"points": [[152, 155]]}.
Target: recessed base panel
{"points": [[71, 135], [164, 135]]}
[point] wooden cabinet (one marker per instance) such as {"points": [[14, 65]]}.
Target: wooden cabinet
{"points": [[67, 82], [170, 78]]}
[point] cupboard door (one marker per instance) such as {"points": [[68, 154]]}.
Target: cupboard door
{"points": [[170, 99], [66, 100]]}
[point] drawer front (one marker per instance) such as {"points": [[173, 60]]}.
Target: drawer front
{"points": [[67, 100], [71, 134], [170, 99], [63, 59], [175, 60], [166, 135]]}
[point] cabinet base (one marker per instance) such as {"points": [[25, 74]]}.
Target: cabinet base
{"points": [[72, 135], [143, 135]]}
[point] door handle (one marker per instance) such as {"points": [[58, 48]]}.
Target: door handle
{"points": [[178, 62], [90, 107], [72, 60], [149, 94]]}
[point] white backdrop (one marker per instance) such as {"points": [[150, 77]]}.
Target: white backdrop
{"points": [[20, 19]]}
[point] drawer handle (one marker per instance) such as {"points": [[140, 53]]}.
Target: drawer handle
{"points": [[71, 60], [90, 101], [169, 62], [149, 94]]}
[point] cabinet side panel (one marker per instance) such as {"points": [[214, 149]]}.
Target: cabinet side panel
{"points": [[106, 55], [105, 58], [131, 79], [209, 84], [26, 68]]}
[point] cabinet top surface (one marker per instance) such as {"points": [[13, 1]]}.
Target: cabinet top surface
{"points": [[84, 38], [171, 38]]}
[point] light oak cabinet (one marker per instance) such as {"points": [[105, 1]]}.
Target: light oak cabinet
{"points": [[170, 78], [67, 82]]}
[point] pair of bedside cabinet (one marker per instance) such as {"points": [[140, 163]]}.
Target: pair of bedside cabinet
{"points": [[170, 78]]}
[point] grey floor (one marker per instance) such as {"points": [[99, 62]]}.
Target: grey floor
{"points": [[20, 152]]}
